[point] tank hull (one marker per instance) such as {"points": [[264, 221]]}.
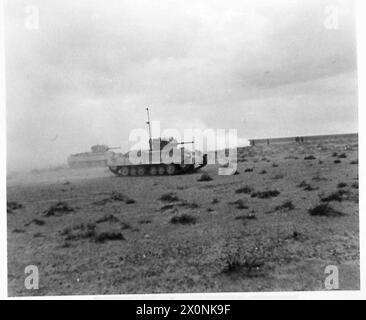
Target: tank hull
{"points": [[155, 163], [88, 160]]}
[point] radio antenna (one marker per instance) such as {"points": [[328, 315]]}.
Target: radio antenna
{"points": [[149, 125]]}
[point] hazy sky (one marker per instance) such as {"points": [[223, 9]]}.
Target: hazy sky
{"points": [[266, 68]]}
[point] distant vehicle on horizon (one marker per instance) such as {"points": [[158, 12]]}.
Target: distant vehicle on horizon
{"points": [[97, 157]]}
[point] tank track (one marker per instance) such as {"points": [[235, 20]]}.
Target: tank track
{"points": [[156, 169], [150, 170]]}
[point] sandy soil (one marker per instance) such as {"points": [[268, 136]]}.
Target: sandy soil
{"points": [[116, 235]]}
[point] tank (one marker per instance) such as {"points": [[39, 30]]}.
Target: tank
{"points": [[164, 157], [97, 157]]}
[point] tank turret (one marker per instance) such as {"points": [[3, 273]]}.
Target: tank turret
{"points": [[100, 148]]}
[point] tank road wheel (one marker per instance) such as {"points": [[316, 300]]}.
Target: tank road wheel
{"points": [[133, 171], [153, 171], [124, 171], [161, 170], [141, 171], [113, 169], [171, 169]]}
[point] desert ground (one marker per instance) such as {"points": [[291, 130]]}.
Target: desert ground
{"points": [[290, 211]]}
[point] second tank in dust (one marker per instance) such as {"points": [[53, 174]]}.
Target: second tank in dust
{"points": [[97, 157]]}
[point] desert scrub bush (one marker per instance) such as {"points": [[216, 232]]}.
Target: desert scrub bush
{"points": [[239, 204], [57, 209], [338, 195], [311, 157], [342, 156], [319, 178], [263, 172], [286, 206], [233, 264], [167, 207], [245, 189], [169, 197], [18, 230], [215, 201], [265, 194], [112, 219], [324, 210], [297, 236], [37, 222], [108, 236], [337, 161], [13, 205], [310, 188], [79, 232], [302, 184], [130, 201], [88, 231], [183, 219], [190, 205], [107, 218], [342, 185], [306, 186], [355, 185], [248, 170], [278, 176], [115, 196], [249, 265], [124, 225], [144, 221], [354, 162], [204, 177]]}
